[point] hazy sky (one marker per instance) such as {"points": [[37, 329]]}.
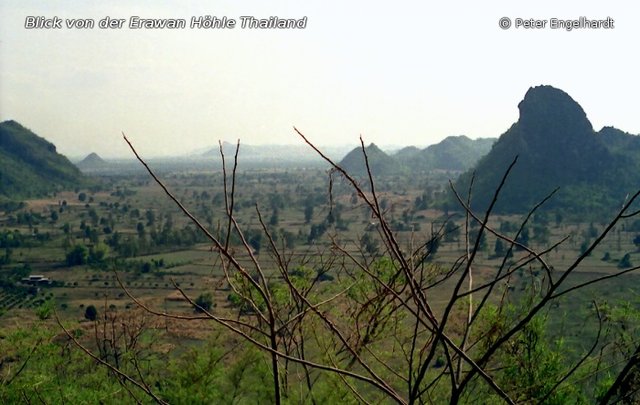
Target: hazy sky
{"points": [[402, 72]]}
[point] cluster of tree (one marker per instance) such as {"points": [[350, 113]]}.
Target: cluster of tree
{"points": [[10, 206], [81, 254], [29, 218], [127, 245], [141, 266], [10, 240], [13, 239]]}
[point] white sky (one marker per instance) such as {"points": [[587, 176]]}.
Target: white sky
{"points": [[403, 72]]}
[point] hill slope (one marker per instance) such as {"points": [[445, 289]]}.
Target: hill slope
{"points": [[379, 162], [557, 147], [454, 153], [31, 166]]}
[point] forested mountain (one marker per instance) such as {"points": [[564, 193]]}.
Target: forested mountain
{"points": [[621, 142], [557, 147], [455, 153], [30, 164]]}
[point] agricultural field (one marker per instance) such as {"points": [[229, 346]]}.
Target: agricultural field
{"points": [[131, 228]]}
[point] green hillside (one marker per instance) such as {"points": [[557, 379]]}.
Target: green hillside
{"points": [[31, 167]]}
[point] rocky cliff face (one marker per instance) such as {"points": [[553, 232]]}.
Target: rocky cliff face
{"points": [[556, 147]]}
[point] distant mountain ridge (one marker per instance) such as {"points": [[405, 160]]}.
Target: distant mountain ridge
{"points": [[454, 153], [295, 153], [557, 146], [31, 166]]}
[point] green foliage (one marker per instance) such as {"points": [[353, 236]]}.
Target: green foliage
{"points": [[584, 246], [625, 262], [369, 244], [274, 219], [91, 313], [10, 205], [209, 375], [140, 229], [98, 253], [473, 236], [499, 249], [316, 231], [301, 277], [451, 231], [53, 372], [308, 213], [45, 310], [222, 370], [533, 366], [77, 256], [242, 304], [541, 234], [523, 237], [531, 363], [146, 267], [255, 241], [204, 302], [151, 217]]}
